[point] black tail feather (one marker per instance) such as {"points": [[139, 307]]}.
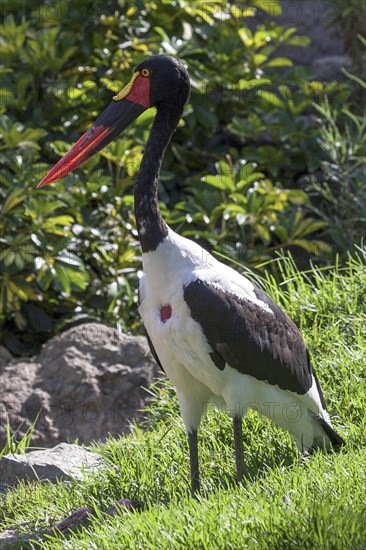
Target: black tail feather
{"points": [[335, 439]]}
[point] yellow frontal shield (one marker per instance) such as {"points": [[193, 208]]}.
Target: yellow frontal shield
{"points": [[126, 90]]}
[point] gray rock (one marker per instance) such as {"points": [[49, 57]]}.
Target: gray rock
{"points": [[12, 539], [85, 384], [330, 67], [5, 356], [62, 462]]}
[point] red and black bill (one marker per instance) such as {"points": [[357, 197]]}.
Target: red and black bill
{"points": [[129, 104]]}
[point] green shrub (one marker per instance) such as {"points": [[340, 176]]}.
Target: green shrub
{"points": [[242, 214], [339, 191]]}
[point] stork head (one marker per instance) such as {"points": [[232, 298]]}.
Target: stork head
{"points": [[158, 81], [168, 80]]}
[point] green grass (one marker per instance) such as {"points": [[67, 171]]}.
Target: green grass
{"points": [[17, 444], [286, 502]]}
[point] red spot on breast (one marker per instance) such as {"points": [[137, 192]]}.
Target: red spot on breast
{"points": [[165, 313]]}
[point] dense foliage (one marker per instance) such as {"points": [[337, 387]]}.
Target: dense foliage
{"points": [[229, 178]]}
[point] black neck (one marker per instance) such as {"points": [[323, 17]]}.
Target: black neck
{"points": [[150, 225]]}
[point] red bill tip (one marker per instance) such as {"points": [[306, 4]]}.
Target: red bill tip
{"points": [[76, 155], [52, 175]]}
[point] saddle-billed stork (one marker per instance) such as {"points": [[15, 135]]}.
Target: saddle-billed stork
{"points": [[217, 337]]}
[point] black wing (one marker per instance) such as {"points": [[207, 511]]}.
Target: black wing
{"points": [[250, 339]]}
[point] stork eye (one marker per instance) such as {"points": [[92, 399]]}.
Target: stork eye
{"points": [[146, 72]]}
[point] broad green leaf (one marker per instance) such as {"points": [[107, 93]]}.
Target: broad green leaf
{"points": [[12, 200], [60, 220], [45, 277], [281, 232], [271, 98], [263, 232], [259, 59], [296, 196], [220, 182], [279, 62], [8, 258], [232, 209], [251, 178], [307, 226], [251, 83], [63, 278], [77, 278], [18, 291], [246, 36]]}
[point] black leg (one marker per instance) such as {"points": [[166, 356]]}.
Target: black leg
{"points": [[193, 457], [239, 451]]}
